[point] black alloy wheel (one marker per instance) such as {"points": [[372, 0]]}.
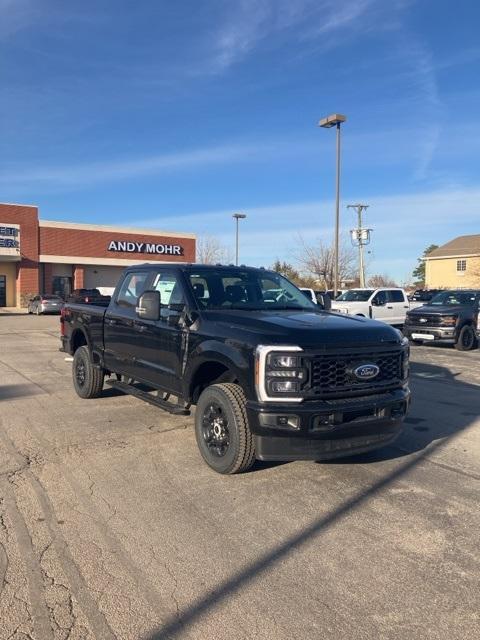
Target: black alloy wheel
{"points": [[215, 429], [466, 339]]}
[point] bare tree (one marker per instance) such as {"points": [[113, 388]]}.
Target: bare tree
{"points": [[290, 272], [211, 251], [381, 280], [319, 260]]}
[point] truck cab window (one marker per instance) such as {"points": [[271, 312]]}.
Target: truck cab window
{"points": [[380, 299], [395, 295], [132, 288], [171, 292], [200, 291]]}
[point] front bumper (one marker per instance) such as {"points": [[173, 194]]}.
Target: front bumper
{"points": [[329, 428], [430, 334]]}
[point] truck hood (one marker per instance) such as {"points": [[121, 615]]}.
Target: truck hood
{"points": [[305, 329], [440, 309]]}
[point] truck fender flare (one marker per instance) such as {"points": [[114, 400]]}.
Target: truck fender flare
{"points": [[77, 330], [219, 353]]}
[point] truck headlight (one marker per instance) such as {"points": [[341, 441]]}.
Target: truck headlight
{"points": [[279, 361], [279, 373], [284, 386], [448, 321]]}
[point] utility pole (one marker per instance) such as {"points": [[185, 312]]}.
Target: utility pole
{"points": [[360, 238]]}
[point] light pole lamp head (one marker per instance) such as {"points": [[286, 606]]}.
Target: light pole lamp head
{"points": [[332, 120], [239, 216]]}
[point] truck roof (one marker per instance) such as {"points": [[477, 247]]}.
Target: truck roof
{"points": [[190, 265]]}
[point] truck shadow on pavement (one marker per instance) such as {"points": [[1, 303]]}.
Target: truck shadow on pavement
{"points": [[9, 391], [433, 386]]}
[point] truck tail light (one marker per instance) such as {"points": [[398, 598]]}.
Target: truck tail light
{"points": [[63, 316]]}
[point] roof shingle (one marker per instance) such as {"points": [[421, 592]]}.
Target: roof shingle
{"points": [[461, 246]]}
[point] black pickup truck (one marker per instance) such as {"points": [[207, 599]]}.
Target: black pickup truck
{"points": [[450, 317], [272, 376]]}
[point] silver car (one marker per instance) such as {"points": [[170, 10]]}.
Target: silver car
{"points": [[45, 304]]}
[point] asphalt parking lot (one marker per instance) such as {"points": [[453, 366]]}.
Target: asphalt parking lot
{"points": [[111, 526]]}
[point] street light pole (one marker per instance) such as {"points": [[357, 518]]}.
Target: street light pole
{"points": [[237, 216], [335, 120], [337, 216]]}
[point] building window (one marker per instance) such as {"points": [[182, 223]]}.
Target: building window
{"points": [[461, 265]]}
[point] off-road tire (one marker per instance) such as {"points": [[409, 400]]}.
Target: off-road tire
{"points": [[240, 452], [87, 379], [466, 340]]}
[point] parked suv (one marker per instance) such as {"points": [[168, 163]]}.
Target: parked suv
{"points": [[272, 375], [387, 304], [450, 317]]}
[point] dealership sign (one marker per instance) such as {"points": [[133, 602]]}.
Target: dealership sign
{"points": [[10, 241], [146, 247]]}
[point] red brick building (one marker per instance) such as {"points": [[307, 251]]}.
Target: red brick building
{"points": [[41, 256]]}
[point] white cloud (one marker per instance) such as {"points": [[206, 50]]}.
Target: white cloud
{"points": [[100, 172], [403, 225], [250, 23]]}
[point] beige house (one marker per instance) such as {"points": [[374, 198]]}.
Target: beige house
{"points": [[455, 264]]}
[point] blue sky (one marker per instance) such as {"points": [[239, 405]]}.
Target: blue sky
{"points": [[175, 115]]}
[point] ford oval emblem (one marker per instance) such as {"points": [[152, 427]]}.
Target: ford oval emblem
{"points": [[366, 371]]}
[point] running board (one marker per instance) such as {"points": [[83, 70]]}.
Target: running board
{"points": [[176, 409]]}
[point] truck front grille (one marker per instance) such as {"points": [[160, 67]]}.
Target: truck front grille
{"points": [[333, 374], [425, 319]]}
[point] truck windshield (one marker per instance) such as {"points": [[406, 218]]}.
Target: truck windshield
{"points": [[355, 295], [454, 298], [238, 288]]}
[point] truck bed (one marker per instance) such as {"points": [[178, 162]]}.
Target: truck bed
{"points": [[87, 315]]}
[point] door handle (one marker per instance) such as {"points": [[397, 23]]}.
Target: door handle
{"points": [[140, 327], [110, 321], [389, 307]]}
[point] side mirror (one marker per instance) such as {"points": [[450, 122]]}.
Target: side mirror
{"points": [[148, 305], [377, 302], [324, 301]]}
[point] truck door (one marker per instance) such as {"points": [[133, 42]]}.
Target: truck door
{"points": [[398, 304], [379, 307], [160, 344], [118, 333]]}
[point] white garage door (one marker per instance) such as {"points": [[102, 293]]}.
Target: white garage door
{"points": [[103, 278]]}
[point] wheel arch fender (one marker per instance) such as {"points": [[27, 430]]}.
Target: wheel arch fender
{"points": [[81, 338], [214, 357]]}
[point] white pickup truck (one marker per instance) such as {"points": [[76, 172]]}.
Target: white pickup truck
{"points": [[387, 304]]}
